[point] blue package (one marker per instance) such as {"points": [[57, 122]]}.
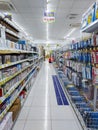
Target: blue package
{"points": [[21, 42], [89, 72], [84, 75]]}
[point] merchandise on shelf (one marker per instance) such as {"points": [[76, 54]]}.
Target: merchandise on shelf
{"points": [[7, 122], [96, 10], [94, 40], [95, 75], [89, 16]]}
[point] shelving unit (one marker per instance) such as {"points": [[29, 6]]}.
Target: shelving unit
{"points": [[18, 66], [68, 60], [93, 27]]}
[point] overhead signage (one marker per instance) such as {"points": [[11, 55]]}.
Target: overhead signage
{"points": [[49, 17]]}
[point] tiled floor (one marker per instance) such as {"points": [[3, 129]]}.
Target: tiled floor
{"points": [[40, 111]]}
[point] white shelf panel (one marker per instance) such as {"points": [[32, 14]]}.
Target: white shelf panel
{"points": [[93, 27], [12, 33]]}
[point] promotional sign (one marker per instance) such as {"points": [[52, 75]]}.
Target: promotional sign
{"points": [[49, 17]]}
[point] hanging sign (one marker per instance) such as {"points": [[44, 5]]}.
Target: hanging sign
{"points": [[49, 17]]}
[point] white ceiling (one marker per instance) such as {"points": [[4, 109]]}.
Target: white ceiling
{"points": [[29, 15]]}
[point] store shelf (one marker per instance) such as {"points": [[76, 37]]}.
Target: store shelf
{"points": [[11, 77], [14, 51], [14, 87], [93, 27], [8, 24], [8, 107], [79, 117], [32, 59], [11, 24], [11, 64], [35, 52], [11, 35]]}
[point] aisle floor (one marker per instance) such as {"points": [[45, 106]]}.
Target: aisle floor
{"points": [[40, 111]]}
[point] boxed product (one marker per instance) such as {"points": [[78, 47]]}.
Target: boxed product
{"points": [[94, 57], [89, 16], [7, 122], [0, 75], [84, 74], [14, 58], [14, 110], [95, 75], [3, 43], [96, 10], [94, 40], [0, 60], [6, 59], [89, 72], [8, 44], [12, 45]]}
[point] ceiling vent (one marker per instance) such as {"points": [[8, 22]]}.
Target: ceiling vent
{"points": [[72, 16], [6, 5], [75, 25]]}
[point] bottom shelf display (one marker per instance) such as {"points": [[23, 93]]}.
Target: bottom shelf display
{"points": [[7, 122], [87, 117], [22, 92]]}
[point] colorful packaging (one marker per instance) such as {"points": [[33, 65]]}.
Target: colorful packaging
{"points": [[89, 16], [96, 10], [94, 57], [95, 40], [89, 72], [95, 75]]}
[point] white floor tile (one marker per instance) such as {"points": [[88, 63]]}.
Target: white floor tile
{"points": [[39, 113], [19, 125], [28, 103], [61, 112], [40, 101], [53, 102], [38, 125], [24, 113], [64, 125]]}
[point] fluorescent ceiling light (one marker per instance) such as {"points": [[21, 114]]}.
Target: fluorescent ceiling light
{"points": [[47, 31], [70, 33]]}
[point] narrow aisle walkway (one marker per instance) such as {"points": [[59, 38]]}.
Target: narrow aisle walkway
{"points": [[40, 111]]}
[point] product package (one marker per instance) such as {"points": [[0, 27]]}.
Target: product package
{"points": [[96, 10], [95, 40], [95, 75], [7, 122], [89, 16], [94, 57], [89, 72]]}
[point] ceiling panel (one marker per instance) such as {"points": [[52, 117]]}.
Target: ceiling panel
{"points": [[82, 4], [66, 4], [30, 15]]}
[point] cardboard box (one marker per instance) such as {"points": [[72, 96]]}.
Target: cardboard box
{"points": [[15, 109]]}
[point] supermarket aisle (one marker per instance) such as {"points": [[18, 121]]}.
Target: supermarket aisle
{"points": [[40, 111]]}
